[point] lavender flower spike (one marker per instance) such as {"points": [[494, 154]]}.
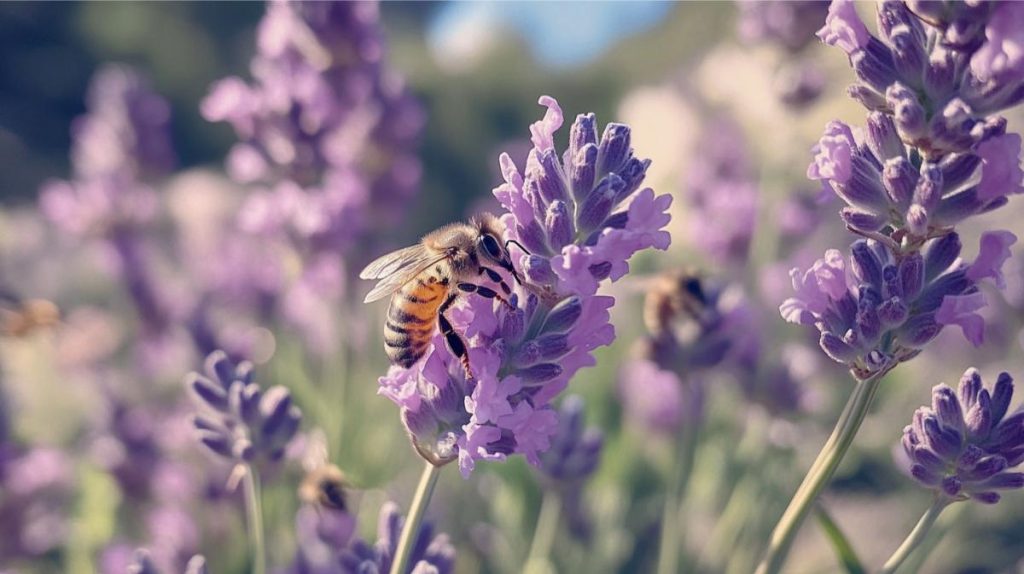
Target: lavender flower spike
{"points": [[883, 307], [241, 422], [581, 216], [964, 446]]}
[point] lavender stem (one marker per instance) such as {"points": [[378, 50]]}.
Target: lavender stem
{"points": [[411, 530], [821, 472], [544, 534], [671, 532], [254, 519], [916, 535]]}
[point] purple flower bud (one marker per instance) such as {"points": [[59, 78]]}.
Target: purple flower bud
{"points": [[958, 168], [861, 221], [582, 133], [969, 388], [925, 476], [947, 407], [928, 191], [918, 331], [207, 391], [583, 170], [908, 114], [911, 270], [513, 325], [952, 485], [985, 468], [598, 205], [551, 179], [899, 179], [940, 74], [893, 312], [940, 253], [533, 237], [865, 265], [563, 315], [538, 270], [1001, 394], [979, 418], [614, 148], [864, 188], [908, 54], [883, 139], [951, 129], [874, 65], [538, 374], [986, 497], [559, 225], [600, 271]]}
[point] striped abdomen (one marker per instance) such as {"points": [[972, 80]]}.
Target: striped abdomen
{"points": [[412, 315]]}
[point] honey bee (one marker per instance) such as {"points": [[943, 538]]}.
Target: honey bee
{"points": [[19, 318], [425, 279], [674, 293], [324, 485]]}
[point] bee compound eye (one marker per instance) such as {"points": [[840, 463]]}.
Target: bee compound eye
{"points": [[492, 247]]}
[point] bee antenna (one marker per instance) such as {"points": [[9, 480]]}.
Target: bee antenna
{"points": [[520, 245]]}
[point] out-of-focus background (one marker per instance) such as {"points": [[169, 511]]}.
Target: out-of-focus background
{"points": [[95, 450]]}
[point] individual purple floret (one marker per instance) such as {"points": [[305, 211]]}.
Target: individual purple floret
{"points": [[888, 189], [575, 451], [430, 554], [885, 306], [581, 216], [326, 123], [965, 444], [240, 421], [940, 69]]}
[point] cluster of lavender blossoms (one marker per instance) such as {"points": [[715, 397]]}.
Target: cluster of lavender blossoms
{"points": [[241, 422], [327, 126], [965, 444], [328, 135], [933, 154], [119, 147], [575, 450], [581, 216]]}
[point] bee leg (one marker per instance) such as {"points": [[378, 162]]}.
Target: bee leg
{"points": [[484, 292], [455, 342], [493, 276]]}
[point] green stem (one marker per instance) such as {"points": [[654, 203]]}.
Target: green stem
{"points": [[671, 531], [820, 473], [840, 543], [544, 534], [411, 531], [254, 519], [916, 535]]}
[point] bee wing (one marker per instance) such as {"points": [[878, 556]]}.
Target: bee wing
{"points": [[396, 269]]}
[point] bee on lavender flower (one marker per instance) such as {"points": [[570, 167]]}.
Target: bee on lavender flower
{"points": [[426, 279], [671, 295], [324, 485]]}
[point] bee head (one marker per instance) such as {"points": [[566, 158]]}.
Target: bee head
{"points": [[489, 242]]}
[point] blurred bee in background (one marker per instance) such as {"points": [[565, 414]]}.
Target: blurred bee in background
{"points": [[324, 485], [21, 317], [425, 279], [670, 295]]}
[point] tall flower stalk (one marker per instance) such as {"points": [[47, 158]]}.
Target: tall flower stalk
{"points": [[934, 154], [581, 215]]}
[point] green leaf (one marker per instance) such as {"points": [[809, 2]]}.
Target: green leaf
{"points": [[844, 550]]}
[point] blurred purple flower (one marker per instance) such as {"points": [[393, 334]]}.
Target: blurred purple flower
{"points": [[653, 398], [581, 218], [791, 24], [885, 306], [39, 486], [575, 451], [143, 563], [322, 535], [1002, 53], [326, 123], [240, 421], [430, 554], [964, 445], [723, 194]]}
